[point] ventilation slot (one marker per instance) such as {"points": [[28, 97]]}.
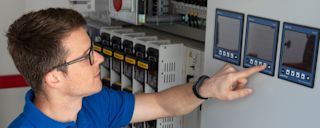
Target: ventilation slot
{"points": [[169, 67], [167, 122], [169, 72], [169, 78]]}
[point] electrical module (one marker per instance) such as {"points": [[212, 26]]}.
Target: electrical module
{"points": [[261, 43], [228, 36], [299, 50]]}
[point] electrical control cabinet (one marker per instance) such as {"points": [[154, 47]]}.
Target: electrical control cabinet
{"points": [[102, 44], [155, 69], [118, 57], [138, 62], [133, 60], [114, 54], [152, 73], [194, 64], [129, 60], [134, 53], [151, 64], [299, 50], [261, 43], [83, 5], [163, 72], [117, 54], [127, 65], [140, 69], [107, 52], [106, 64], [228, 36], [287, 96], [131, 11], [187, 13]]}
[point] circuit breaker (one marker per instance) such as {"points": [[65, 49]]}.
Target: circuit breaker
{"points": [[93, 31], [152, 73], [103, 45], [141, 43], [164, 72], [129, 60], [114, 55]]}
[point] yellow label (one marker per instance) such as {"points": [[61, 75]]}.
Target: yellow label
{"points": [[97, 48], [107, 52], [118, 83], [128, 88], [107, 78], [130, 60], [143, 65], [118, 56]]}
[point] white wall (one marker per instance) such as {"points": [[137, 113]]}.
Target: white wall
{"points": [[9, 11], [41, 4], [12, 103], [275, 103], [12, 100]]}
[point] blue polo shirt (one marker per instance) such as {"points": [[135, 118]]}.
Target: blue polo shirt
{"points": [[106, 109]]}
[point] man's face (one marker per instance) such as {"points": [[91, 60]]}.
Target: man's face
{"points": [[82, 78]]}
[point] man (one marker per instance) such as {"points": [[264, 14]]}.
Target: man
{"points": [[53, 52]]}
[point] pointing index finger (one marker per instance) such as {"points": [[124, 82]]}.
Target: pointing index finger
{"points": [[250, 71]]}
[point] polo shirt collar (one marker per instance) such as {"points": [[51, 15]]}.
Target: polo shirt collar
{"points": [[38, 118]]}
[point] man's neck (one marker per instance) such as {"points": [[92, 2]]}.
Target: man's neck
{"points": [[60, 108]]}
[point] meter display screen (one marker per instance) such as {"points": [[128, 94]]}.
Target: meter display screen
{"points": [[261, 43], [228, 36], [299, 50]]}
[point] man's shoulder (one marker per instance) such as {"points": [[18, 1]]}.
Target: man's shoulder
{"points": [[106, 93], [21, 122]]}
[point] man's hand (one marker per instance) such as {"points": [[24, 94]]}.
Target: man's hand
{"points": [[228, 83]]}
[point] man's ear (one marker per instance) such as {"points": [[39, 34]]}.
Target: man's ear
{"points": [[53, 78]]}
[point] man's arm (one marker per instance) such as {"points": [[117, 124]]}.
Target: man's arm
{"points": [[175, 101], [226, 84]]}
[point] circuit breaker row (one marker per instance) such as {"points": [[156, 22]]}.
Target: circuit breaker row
{"points": [[140, 63]]}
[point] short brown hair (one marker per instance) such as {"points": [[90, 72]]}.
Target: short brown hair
{"points": [[35, 41]]}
